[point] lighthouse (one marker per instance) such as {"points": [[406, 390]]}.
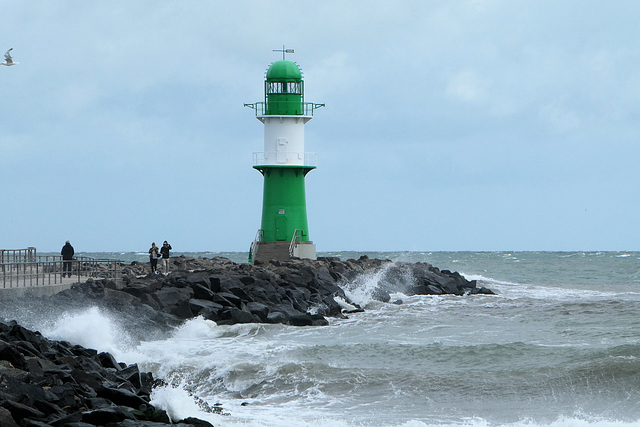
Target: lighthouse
{"points": [[284, 164]]}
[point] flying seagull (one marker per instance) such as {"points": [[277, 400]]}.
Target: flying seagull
{"points": [[8, 59]]}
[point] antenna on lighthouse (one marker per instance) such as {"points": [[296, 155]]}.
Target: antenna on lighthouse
{"points": [[284, 51]]}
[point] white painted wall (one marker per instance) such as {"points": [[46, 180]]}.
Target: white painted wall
{"points": [[284, 139]]}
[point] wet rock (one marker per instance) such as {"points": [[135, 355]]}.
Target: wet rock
{"points": [[258, 309], [73, 386], [19, 411], [108, 361], [277, 317], [6, 419], [103, 416], [195, 422], [202, 292], [11, 355]]}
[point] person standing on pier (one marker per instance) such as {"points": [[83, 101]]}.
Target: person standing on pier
{"points": [[153, 257], [67, 253], [166, 247]]}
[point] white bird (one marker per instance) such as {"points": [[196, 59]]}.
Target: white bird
{"points": [[8, 59]]}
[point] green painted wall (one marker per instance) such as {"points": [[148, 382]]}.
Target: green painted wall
{"points": [[281, 104], [284, 207]]}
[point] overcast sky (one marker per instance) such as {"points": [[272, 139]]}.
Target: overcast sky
{"points": [[449, 125]]}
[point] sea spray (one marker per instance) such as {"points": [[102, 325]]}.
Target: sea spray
{"points": [[91, 328], [378, 285], [180, 404]]}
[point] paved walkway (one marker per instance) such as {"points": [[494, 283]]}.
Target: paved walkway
{"points": [[48, 284]]}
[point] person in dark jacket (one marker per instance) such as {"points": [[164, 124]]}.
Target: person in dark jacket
{"points": [[67, 253], [153, 257], [164, 250]]}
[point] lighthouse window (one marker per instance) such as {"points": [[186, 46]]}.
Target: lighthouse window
{"points": [[284, 87], [294, 87]]}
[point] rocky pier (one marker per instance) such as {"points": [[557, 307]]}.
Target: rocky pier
{"points": [[298, 292], [55, 383]]}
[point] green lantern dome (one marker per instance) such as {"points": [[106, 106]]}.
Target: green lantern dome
{"points": [[284, 89], [284, 71]]}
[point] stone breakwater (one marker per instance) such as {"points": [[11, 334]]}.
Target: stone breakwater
{"points": [[55, 383], [298, 292]]}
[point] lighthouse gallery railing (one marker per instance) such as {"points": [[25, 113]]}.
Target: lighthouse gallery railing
{"points": [[272, 157], [307, 108]]}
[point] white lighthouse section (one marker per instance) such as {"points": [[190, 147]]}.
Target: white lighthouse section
{"points": [[284, 142]]}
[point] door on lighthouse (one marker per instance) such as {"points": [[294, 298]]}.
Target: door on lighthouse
{"points": [[281, 150], [281, 227]]}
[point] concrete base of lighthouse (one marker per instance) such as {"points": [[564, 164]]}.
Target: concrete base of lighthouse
{"points": [[267, 251]]}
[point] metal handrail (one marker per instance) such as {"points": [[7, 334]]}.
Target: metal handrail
{"points": [[47, 258], [307, 108], [18, 255], [294, 240], [45, 273], [297, 158], [253, 250]]}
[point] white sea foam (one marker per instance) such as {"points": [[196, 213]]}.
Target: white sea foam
{"points": [[343, 304], [178, 403], [91, 328], [514, 289], [362, 289], [197, 328]]}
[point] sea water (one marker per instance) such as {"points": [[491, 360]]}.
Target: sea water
{"points": [[558, 345]]}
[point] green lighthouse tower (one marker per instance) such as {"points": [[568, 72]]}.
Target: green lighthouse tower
{"points": [[284, 231]]}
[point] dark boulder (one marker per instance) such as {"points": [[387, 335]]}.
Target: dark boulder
{"points": [[241, 316], [104, 416], [108, 361], [258, 309], [19, 411], [277, 317], [11, 355], [171, 295], [202, 292]]}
